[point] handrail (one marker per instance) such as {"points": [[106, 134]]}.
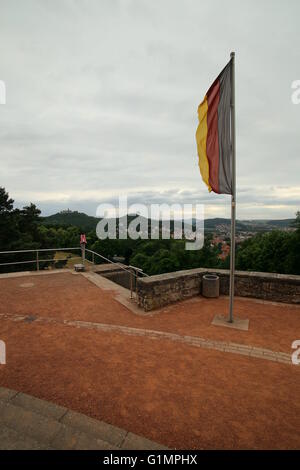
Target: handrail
{"points": [[37, 261], [118, 264], [38, 249], [130, 271], [137, 269], [40, 261]]}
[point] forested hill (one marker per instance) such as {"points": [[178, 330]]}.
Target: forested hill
{"points": [[88, 223], [74, 218], [67, 218]]}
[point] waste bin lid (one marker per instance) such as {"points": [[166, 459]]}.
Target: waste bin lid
{"points": [[211, 277]]}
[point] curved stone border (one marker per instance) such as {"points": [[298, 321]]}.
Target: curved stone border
{"points": [[228, 347], [27, 422]]}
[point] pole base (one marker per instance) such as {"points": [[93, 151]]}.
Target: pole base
{"points": [[237, 324]]}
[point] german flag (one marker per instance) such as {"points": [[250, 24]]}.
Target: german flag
{"points": [[213, 135]]}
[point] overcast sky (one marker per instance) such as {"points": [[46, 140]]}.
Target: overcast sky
{"points": [[102, 100]]}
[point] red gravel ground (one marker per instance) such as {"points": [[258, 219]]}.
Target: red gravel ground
{"points": [[72, 297], [175, 394]]}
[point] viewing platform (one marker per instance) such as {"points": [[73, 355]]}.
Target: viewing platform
{"points": [[168, 375]]}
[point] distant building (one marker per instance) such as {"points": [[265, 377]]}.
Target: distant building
{"points": [[66, 211], [225, 251]]}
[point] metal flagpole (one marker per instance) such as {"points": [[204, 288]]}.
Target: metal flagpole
{"points": [[233, 196]]}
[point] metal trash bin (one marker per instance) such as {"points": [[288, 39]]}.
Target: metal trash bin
{"points": [[210, 285]]}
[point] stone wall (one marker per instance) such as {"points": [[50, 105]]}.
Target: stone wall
{"points": [[164, 289], [119, 277]]}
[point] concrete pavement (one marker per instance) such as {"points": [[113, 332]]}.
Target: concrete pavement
{"points": [[27, 422]]}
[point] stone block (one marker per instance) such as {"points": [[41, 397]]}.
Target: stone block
{"points": [[134, 442], [39, 406], [96, 429], [7, 394], [69, 438], [29, 423]]}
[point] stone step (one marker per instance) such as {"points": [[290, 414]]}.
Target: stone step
{"points": [[12, 440], [30, 423]]}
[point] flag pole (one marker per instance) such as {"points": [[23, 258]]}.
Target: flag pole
{"points": [[233, 196]]}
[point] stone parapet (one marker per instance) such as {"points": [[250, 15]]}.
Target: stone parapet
{"points": [[163, 289]]}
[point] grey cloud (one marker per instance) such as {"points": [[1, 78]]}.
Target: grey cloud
{"points": [[103, 96]]}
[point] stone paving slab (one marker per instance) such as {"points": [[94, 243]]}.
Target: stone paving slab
{"points": [[85, 442], [27, 422], [69, 438], [134, 442], [6, 394], [12, 440], [121, 294], [237, 324], [34, 273], [99, 429], [42, 407]]}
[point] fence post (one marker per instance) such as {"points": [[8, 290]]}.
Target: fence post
{"points": [[136, 285], [93, 258], [131, 285], [37, 260]]}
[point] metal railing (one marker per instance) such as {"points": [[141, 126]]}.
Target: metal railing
{"points": [[133, 271], [37, 259]]}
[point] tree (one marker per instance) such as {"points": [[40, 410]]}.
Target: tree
{"points": [[296, 223], [8, 222], [276, 252], [29, 220], [6, 203]]}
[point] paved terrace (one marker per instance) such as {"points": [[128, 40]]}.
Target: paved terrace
{"points": [[170, 376]]}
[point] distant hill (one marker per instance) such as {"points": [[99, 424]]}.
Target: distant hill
{"points": [[256, 225], [87, 223], [66, 218], [78, 219]]}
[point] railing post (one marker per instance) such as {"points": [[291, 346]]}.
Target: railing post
{"points": [[83, 252], [131, 285], [37, 260], [93, 257], [136, 285]]}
